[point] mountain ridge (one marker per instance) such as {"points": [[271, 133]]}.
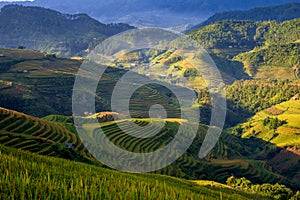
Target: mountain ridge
{"points": [[278, 13], [51, 31], [154, 13]]}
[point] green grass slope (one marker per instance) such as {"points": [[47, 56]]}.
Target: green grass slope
{"points": [[266, 49], [28, 176], [43, 137], [284, 132]]}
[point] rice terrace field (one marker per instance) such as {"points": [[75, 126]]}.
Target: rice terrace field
{"points": [[156, 84]]}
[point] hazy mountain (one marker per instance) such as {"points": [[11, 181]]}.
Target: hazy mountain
{"points": [[152, 12], [279, 13], [51, 31]]}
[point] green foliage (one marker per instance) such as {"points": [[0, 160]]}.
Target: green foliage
{"points": [[275, 44], [227, 33], [278, 192], [238, 130], [287, 55], [255, 95], [173, 59], [282, 33], [296, 196], [178, 68], [191, 73], [273, 123]]}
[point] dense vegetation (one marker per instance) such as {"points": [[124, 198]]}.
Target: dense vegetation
{"points": [[240, 33], [276, 191], [285, 55], [281, 50], [227, 33], [51, 31], [248, 97], [266, 49]]}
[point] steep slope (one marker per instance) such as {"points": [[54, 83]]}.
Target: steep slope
{"points": [[279, 56], [48, 30], [265, 49]]}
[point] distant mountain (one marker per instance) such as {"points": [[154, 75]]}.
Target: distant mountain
{"points": [[51, 31], [159, 13], [279, 13]]}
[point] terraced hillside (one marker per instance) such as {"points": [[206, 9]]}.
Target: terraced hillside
{"points": [[30, 176], [39, 136], [40, 85], [231, 155], [278, 125], [54, 136]]}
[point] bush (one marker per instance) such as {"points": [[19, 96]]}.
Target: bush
{"points": [[277, 191]]}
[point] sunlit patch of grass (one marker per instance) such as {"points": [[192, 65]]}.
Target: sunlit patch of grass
{"points": [[276, 72], [288, 134]]}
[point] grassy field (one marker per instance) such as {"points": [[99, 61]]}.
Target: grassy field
{"points": [[29, 176]]}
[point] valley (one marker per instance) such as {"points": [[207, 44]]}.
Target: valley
{"points": [[47, 146]]}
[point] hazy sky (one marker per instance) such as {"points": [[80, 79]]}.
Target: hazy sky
{"points": [[14, 0]]}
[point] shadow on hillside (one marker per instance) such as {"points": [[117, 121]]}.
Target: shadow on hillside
{"points": [[282, 161], [230, 70]]}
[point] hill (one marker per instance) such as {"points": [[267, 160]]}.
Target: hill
{"points": [[278, 13], [265, 49], [40, 85], [278, 54], [50, 31], [245, 98], [30, 176]]}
